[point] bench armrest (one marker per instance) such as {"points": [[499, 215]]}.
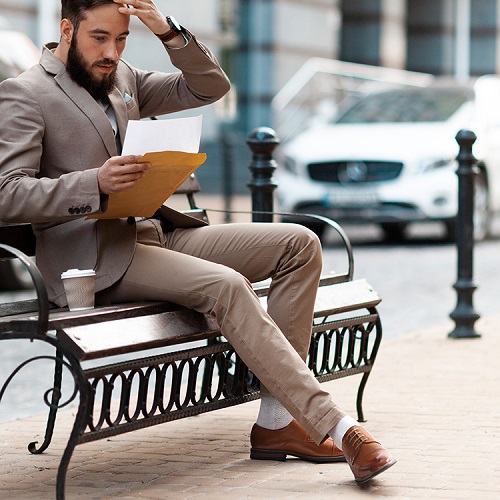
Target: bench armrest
{"points": [[41, 290]]}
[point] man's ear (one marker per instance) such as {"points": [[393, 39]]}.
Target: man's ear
{"points": [[67, 30]]}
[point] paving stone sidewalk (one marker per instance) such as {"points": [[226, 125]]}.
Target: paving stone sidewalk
{"points": [[433, 401]]}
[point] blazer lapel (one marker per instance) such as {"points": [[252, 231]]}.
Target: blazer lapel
{"points": [[81, 98], [118, 104]]}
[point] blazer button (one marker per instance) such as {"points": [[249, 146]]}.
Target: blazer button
{"points": [[71, 210], [77, 211], [88, 208], [131, 220]]}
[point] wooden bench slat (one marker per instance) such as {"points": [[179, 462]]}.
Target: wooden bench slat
{"points": [[262, 288], [64, 318], [345, 297], [17, 308], [137, 333], [340, 298]]}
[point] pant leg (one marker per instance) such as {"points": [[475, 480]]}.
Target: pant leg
{"points": [[162, 274], [288, 253]]}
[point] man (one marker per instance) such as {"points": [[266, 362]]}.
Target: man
{"points": [[64, 122]]}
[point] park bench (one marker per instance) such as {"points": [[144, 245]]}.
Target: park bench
{"points": [[195, 371]]}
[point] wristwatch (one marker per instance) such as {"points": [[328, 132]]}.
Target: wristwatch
{"points": [[175, 29]]}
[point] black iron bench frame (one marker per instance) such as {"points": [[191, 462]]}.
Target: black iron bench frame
{"points": [[194, 378]]}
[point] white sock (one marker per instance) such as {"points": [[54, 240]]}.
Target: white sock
{"points": [[272, 414], [338, 432]]}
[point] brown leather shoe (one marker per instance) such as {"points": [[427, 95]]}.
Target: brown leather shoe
{"points": [[366, 457], [291, 440]]}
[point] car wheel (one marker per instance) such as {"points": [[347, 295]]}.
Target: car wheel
{"points": [[482, 213], [14, 275], [394, 232]]}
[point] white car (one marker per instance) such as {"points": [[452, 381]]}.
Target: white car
{"points": [[390, 159]]}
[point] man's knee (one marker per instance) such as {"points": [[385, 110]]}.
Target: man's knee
{"points": [[232, 292], [307, 235], [305, 240], [232, 282]]}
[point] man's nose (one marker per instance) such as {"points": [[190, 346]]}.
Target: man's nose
{"points": [[111, 51]]}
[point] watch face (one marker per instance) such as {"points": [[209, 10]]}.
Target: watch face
{"points": [[174, 24]]}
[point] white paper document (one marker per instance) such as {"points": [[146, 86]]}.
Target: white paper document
{"points": [[175, 134]]}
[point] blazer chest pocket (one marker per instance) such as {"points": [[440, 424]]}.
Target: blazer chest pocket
{"points": [[131, 106]]}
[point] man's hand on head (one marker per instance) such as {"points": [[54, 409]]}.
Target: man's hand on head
{"points": [[120, 173], [147, 12]]}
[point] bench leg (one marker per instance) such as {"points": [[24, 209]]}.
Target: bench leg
{"points": [[359, 399], [370, 361], [54, 406], [62, 359], [79, 425]]}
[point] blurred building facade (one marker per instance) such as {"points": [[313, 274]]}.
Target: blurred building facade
{"points": [[263, 43]]}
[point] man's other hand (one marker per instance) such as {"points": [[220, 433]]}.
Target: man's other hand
{"points": [[147, 12], [120, 173]]}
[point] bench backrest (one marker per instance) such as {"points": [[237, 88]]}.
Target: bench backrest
{"points": [[19, 236]]}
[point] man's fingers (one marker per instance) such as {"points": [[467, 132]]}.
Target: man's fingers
{"points": [[120, 173], [146, 11], [135, 167], [131, 177], [125, 164], [126, 3]]}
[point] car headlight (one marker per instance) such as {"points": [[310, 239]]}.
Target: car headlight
{"points": [[430, 164]]}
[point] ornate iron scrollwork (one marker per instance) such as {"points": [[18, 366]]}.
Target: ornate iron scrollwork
{"points": [[164, 385], [342, 345], [54, 391]]}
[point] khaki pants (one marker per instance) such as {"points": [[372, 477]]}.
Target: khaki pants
{"points": [[210, 269]]}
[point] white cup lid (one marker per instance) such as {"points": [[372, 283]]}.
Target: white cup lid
{"points": [[77, 273]]}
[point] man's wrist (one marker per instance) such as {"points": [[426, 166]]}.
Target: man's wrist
{"points": [[175, 30], [166, 37]]}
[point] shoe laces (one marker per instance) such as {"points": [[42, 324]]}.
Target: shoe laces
{"points": [[355, 438]]}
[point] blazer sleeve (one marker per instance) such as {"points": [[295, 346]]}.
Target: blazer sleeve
{"points": [[25, 195], [201, 81]]}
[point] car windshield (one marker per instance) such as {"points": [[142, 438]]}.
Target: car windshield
{"points": [[407, 105]]}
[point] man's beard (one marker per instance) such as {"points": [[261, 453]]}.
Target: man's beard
{"points": [[79, 71]]}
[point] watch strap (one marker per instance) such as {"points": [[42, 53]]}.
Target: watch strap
{"points": [[169, 35], [172, 32]]}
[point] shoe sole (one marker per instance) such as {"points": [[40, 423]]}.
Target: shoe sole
{"points": [[280, 455], [365, 479]]}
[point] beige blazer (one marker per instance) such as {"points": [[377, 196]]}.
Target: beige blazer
{"points": [[53, 138]]}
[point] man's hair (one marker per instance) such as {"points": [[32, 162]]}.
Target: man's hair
{"points": [[75, 10]]}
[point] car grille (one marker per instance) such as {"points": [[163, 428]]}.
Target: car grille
{"points": [[354, 172]]}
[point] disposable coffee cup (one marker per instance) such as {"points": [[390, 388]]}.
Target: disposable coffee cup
{"points": [[79, 288]]}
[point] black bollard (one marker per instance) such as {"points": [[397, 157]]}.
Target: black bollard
{"points": [[464, 314], [262, 141]]}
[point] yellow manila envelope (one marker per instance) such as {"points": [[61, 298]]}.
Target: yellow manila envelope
{"points": [[169, 170]]}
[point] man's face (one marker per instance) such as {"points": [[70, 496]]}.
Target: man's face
{"points": [[96, 48]]}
